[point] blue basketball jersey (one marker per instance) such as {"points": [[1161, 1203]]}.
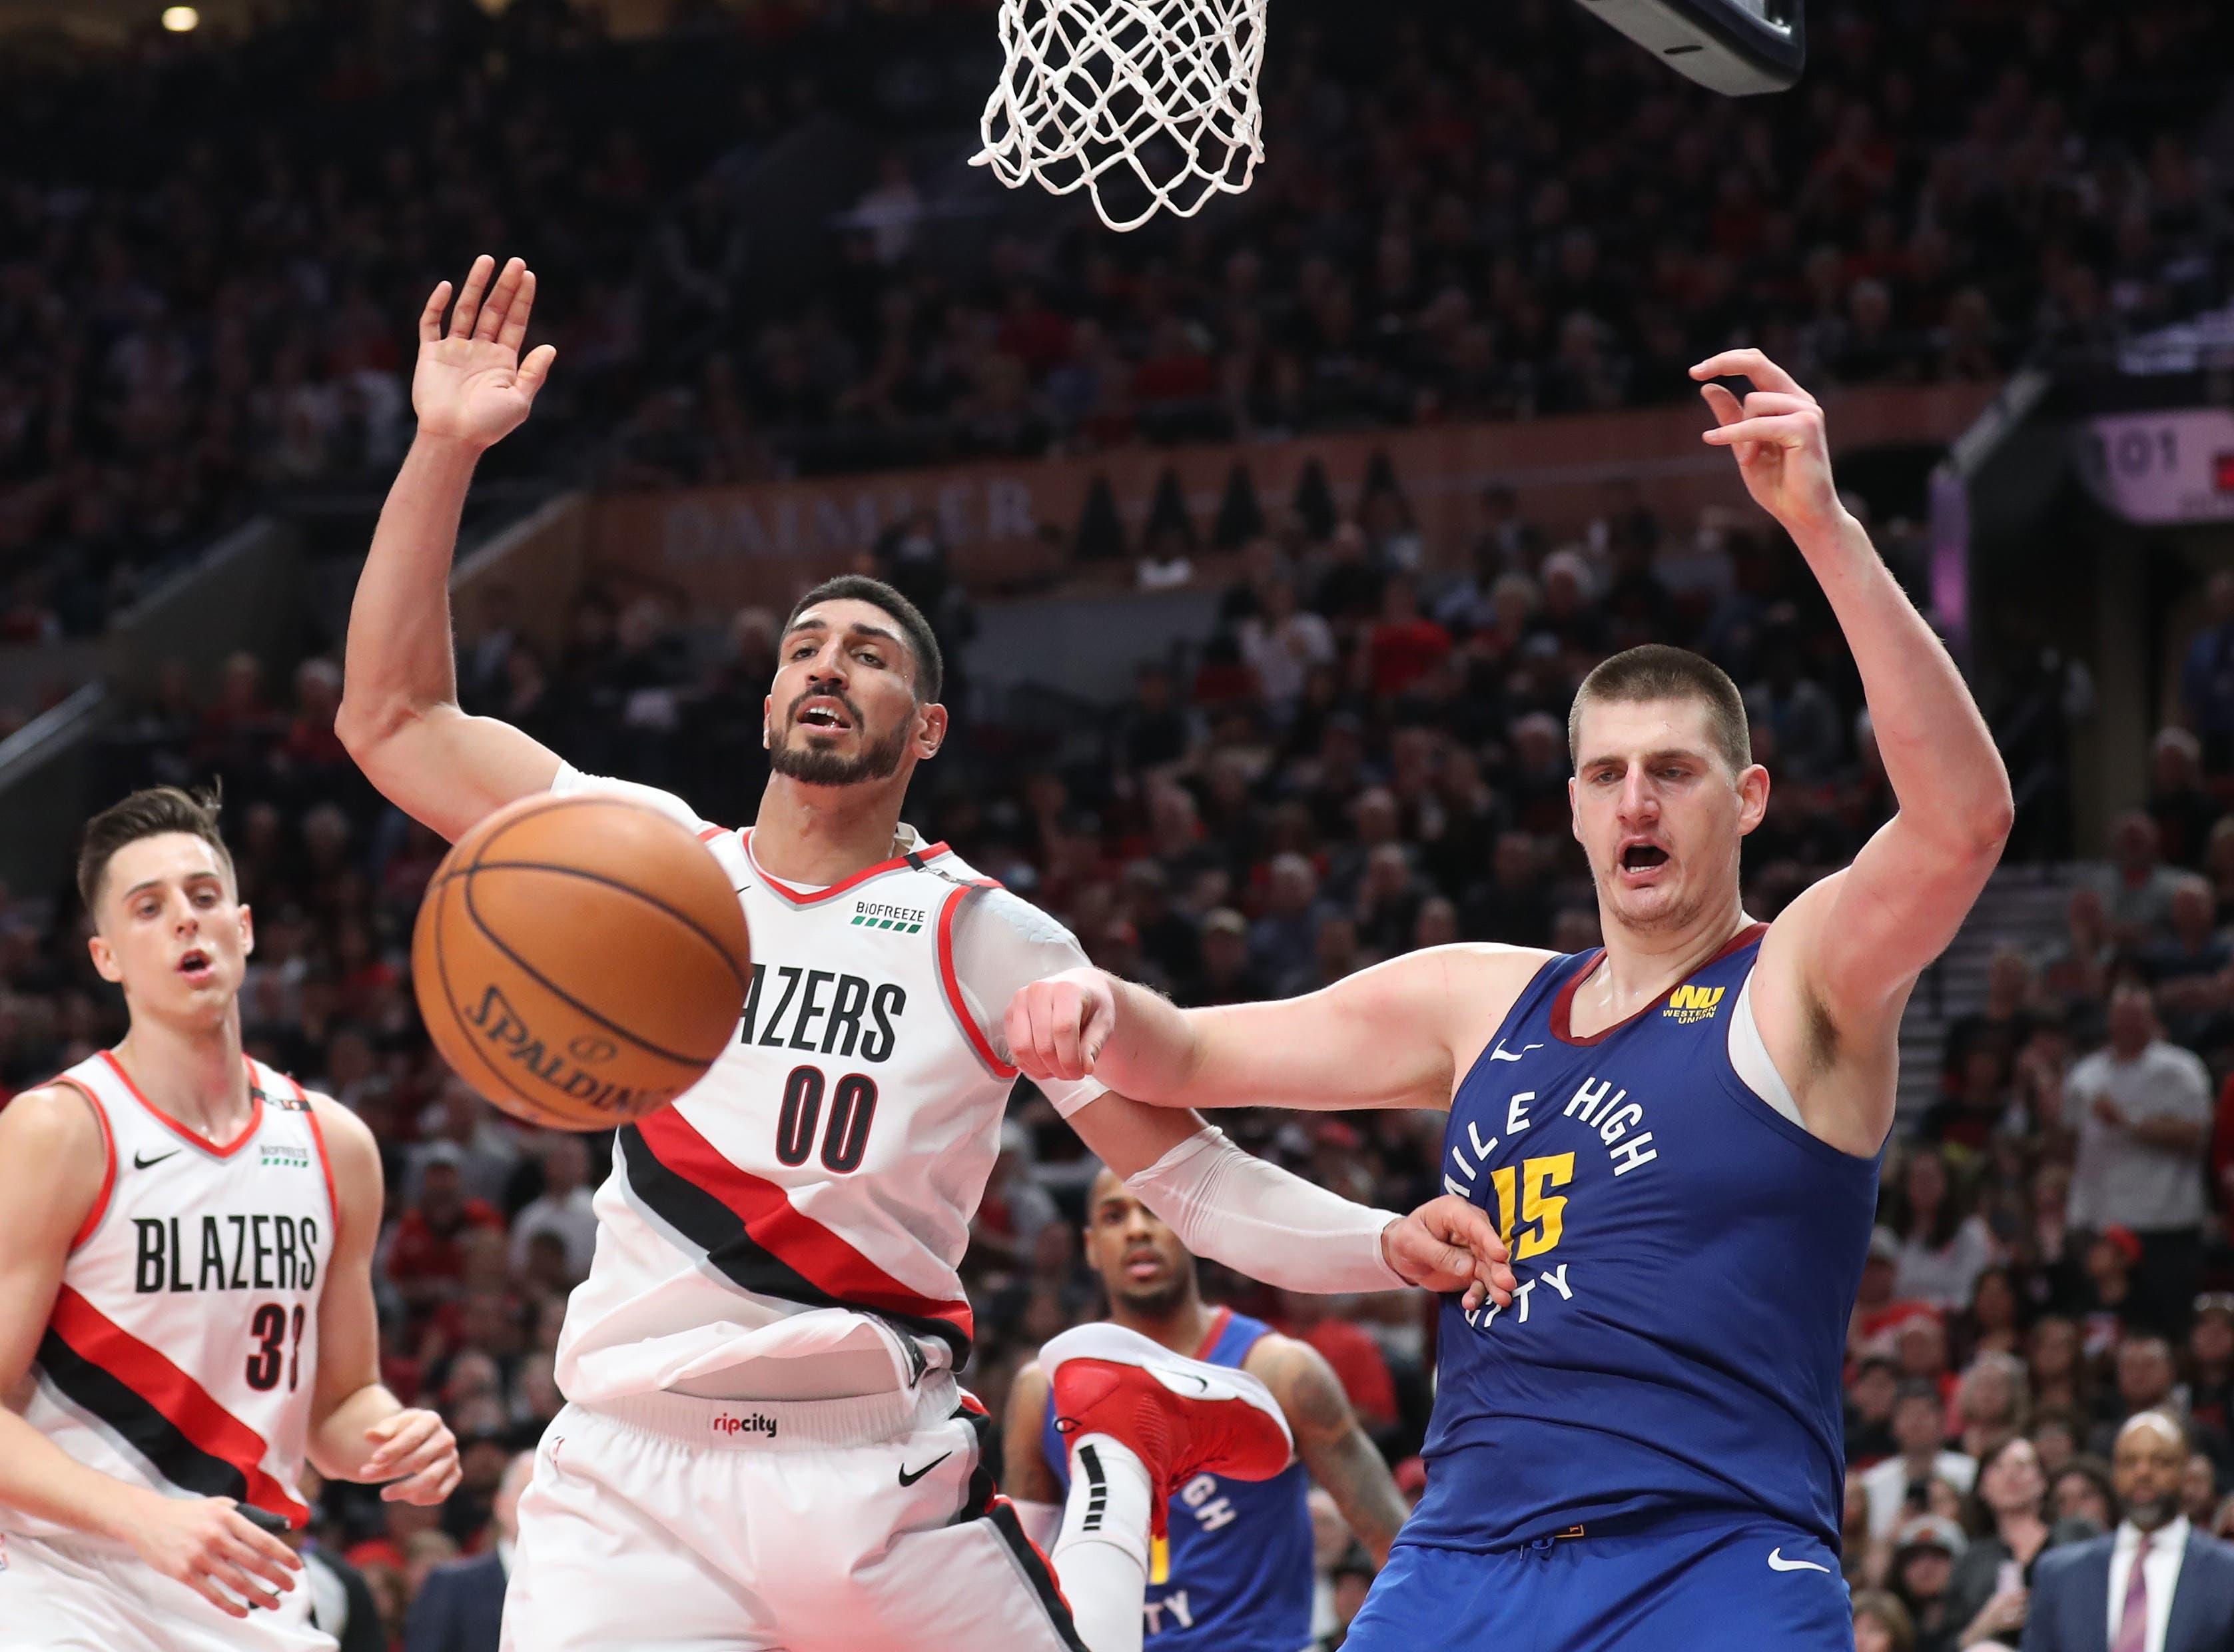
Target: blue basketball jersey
{"points": [[1687, 1257], [1235, 1571]]}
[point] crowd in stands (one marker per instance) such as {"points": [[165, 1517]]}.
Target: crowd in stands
{"points": [[211, 254], [1360, 761]]}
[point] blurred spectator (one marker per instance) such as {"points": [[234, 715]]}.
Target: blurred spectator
{"points": [[1881, 1623], [2206, 678], [2141, 1111], [561, 1211], [2136, 886], [2009, 1529], [1925, 1554], [1943, 1248], [1899, 1486], [461, 1605]]}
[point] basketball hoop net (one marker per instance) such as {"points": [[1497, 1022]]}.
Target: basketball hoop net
{"points": [[1148, 105]]}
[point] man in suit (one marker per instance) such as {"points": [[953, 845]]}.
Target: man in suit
{"points": [[2156, 1584], [461, 1606]]}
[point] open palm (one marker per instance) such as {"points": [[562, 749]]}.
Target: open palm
{"points": [[471, 384]]}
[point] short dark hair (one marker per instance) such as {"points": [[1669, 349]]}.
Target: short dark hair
{"points": [[929, 664], [148, 813], [1657, 671]]}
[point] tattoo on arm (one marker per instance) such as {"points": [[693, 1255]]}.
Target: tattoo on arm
{"points": [[1334, 1448]]}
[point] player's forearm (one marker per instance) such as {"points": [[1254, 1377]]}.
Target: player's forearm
{"points": [[400, 662], [1153, 1053], [41, 1479], [1355, 1475], [338, 1447], [1939, 757]]}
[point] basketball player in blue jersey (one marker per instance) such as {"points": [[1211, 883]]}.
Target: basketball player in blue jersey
{"points": [[1680, 1132], [1233, 1571]]}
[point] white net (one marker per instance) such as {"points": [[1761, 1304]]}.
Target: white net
{"points": [[1147, 104]]}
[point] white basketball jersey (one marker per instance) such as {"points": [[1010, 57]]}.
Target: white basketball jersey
{"points": [[183, 1348], [819, 1181]]}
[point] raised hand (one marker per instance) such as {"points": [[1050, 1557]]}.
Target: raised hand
{"points": [[1449, 1245], [471, 385], [1778, 436]]}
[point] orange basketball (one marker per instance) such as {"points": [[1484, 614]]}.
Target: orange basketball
{"points": [[580, 960]]}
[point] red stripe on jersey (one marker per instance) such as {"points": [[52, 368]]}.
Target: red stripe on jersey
{"points": [[184, 1402], [809, 897], [798, 1241], [710, 833], [950, 982], [319, 1135], [255, 1111], [1219, 1322], [108, 1175]]}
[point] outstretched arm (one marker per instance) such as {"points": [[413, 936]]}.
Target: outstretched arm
{"points": [[1272, 1225], [359, 1431], [399, 715], [1330, 1440], [1839, 963], [1399, 1034]]}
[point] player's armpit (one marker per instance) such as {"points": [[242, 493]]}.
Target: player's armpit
{"points": [[1025, 1476], [1837, 964], [1329, 1440]]}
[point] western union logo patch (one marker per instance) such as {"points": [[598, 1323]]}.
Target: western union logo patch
{"points": [[1689, 1004]]}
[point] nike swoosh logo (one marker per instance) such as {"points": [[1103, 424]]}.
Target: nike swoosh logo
{"points": [[1498, 1054], [1778, 1563], [907, 1479], [140, 1161]]}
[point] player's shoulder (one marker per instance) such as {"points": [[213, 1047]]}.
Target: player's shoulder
{"points": [[1483, 977], [1028, 1388], [54, 1122], [1309, 1393]]}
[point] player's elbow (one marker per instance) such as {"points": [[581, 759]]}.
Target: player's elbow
{"points": [[366, 722], [1993, 822]]}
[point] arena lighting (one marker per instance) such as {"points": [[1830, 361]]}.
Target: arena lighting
{"points": [[181, 20]]}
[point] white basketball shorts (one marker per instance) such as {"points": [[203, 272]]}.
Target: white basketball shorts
{"points": [[61, 1595], [669, 1523]]}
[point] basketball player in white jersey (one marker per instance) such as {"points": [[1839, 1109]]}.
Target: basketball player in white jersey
{"points": [[185, 1291], [765, 1445]]}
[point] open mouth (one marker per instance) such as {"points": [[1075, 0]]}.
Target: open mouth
{"points": [[197, 966], [1146, 1267], [824, 714], [1643, 856]]}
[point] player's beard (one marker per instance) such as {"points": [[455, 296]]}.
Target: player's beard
{"points": [[878, 761]]}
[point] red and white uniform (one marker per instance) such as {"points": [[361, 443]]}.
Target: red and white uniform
{"points": [[181, 1354], [773, 1314]]}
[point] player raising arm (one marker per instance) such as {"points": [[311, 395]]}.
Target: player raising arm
{"points": [[1678, 1131], [1661, 821], [781, 1243], [185, 1293]]}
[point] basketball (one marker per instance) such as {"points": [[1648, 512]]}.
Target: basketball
{"points": [[580, 960]]}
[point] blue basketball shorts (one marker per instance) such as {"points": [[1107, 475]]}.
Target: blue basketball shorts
{"points": [[1669, 1585]]}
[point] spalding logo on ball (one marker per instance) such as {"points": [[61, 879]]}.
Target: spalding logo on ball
{"points": [[580, 960]]}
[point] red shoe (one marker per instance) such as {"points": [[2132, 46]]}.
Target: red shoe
{"points": [[1180, 1416]]}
